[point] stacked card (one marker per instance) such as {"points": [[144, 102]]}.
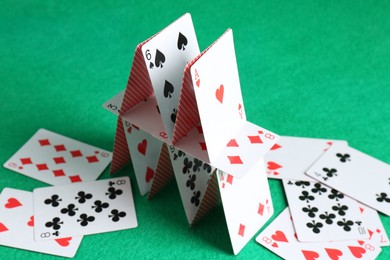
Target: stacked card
{"points": [[53, 219], [333, 192]]}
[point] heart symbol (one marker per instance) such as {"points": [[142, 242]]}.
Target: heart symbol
{"points": [[3, 227], [310, 255], [279, 236], [31, 221], [181, 42], [149, 174], [357, 251], [168, 89], [273, 166], [274, 244], [63, 241], [12, 203], [142, 146], [219, 93], [160, 59], [275, 147], [334, 254]]}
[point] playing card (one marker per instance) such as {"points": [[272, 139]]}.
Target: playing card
{"points": [[144, 150], [356, 174], [165, 57], [114, 104], [194, 144], [233, 144], [83, 208], [17, 223], [56, 159], [290, 157], [192, 178], [279, 238], [246, 202], [321, 213]]}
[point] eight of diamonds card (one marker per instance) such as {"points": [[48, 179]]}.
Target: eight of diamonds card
{"points": [[57, 160], [356, 174], [17, 224], [83, 208]]}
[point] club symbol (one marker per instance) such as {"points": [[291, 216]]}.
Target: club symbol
{"points": [[195, 198], [335, 194], [310, 210], [111, 183], [358, 223], [328, 217], [290, 183], [56, 233], [99, 206], [55, 223], [187, 166], [303, 184], [70, 210], [383, 197], [318, 189], [179, 154], [344, 157], [54, 201], [173, 115], [346, 224], [315, 226], [330, 172], [191, 181], [112, 192], [197, 165], [207, 167], [340, 209], [306, 196], [84, 219], [83, 197], [116, 215]]}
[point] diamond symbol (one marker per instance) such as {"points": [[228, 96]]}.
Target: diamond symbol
{"points": [[44, 142], [241, 230], [58, 173], [75, 178], [76, 153], [92, 159], [232, 143], [261, 209], [59, 160], [235, 160], [26, 161], [255, 139], [229, 179], [60, 148], [42, 167]]}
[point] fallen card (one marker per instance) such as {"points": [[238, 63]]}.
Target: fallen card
{"points": [[83, 208], [290, 157], [17, 224], [279, 238], [56, 159], [321, 213], [356, 174]]}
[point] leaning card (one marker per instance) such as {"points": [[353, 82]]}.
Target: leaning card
{"points": [[83, 208], [356, 174], [17, 224], [56, 159], [279, 238], [321, 213], [290, 157]]}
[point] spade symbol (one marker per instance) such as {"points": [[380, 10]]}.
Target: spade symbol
{"points": [[168, 89], [181, 42], [160, 59]]}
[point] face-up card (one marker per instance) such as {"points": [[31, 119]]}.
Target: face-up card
{"points": [[290, 157], [279, 238], [192, 177], [246, 202], [145, 151], [114, 104], [321, 213], [56, 159], [166, 56], [356, 174], [17, 224], [83, 208]]}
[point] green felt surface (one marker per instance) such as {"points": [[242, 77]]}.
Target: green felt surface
{"points": [[307, 68]]}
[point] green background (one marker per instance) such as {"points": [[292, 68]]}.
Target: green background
{"points": [[307, 68]]}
